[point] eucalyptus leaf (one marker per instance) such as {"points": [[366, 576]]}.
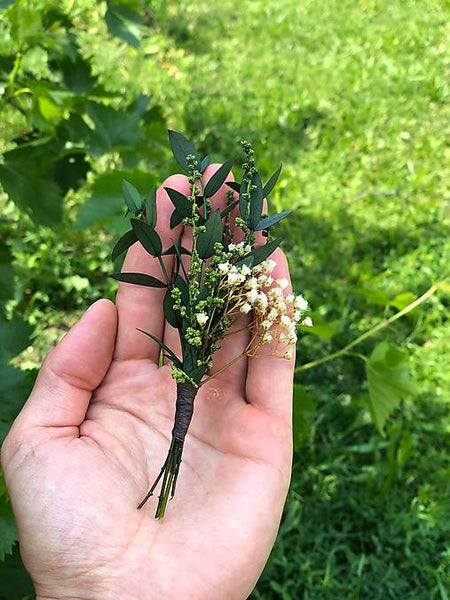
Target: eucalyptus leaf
{"points": [[162, 345], [172, 316], [126, 241], [181, 202], [205, 163], [150, 208], [271, 182], [234, 185], [131, 197], [261, 253], [212, 235], [218, 179], [269, 221], [175, 219], [243, 201], [147, 236], [138, 279], [181, 147], [229, 208], [256, 201], [175, 249]]}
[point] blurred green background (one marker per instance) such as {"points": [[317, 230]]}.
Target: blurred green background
{"points": [[352, 97]]}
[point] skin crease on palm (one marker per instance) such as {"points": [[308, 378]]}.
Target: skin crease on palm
{"points": [[94, 434]]}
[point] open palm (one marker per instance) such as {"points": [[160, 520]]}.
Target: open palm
{"points": [[95, 431]]}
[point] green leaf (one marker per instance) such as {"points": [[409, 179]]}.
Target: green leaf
{"points": [[138, 279], [243, 202], [106, 201], [40, 196], [181, 147], [147, 236], [228, 209], [234, 185], [175, 219], [113, 129], [181, 203], [272, 181], [175, 250], [162, 345], [389, 381], [256, 201], [8, 530], [120, 24], [126, 241], [218, 179], [131, 196], [6, 273], [14, 335], [304, 409], [263, 252], [150, 208], [16, 583], [212, 235], [204, 164], [172, 316], [269, 221]]}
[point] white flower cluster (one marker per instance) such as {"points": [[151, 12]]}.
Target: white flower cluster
{"points": [[258, 291]]}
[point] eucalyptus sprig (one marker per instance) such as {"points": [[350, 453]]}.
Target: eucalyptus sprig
{"points": [[223, 274]]}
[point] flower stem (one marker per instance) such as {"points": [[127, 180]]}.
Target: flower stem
{"points": [[186, 393], [381, 325]]}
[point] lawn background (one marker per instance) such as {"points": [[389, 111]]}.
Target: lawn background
{"points": [[352, 98]]}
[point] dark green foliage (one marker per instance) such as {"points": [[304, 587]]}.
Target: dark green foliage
{"points": [[139, 279], [271, 182], [162, 345], [218, 179], [269, 221], [211, 236], [181, 203], [128, 239], [256, 201], [147, 236], [132, 197], [182, 147], [263, 252], [150, 208]]}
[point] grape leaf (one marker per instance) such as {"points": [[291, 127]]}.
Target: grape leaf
{"points": [[389, 381]]}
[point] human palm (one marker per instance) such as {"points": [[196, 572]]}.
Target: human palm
{"points": [[94, 433]]}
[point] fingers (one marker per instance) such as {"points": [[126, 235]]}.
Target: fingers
{"points": [[140, 306], [269, 378], [72, 370]]}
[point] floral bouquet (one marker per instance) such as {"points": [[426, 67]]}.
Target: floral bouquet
{"points": [[225, 273]]}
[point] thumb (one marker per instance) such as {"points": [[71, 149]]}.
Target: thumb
{"points": [[72, 370]]}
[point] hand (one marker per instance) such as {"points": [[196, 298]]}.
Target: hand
{"points": [[95, 431]]}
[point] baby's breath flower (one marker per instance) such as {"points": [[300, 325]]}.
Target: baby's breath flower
{"points": [[266, 325], [251, 295], [201, 318], [245, 308], [307, 322], [245, 270], [285, 322], [288, 354], [290, 298], [224, 267], [252, 283], [300, 303], [282, 283], [267, 337]]}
